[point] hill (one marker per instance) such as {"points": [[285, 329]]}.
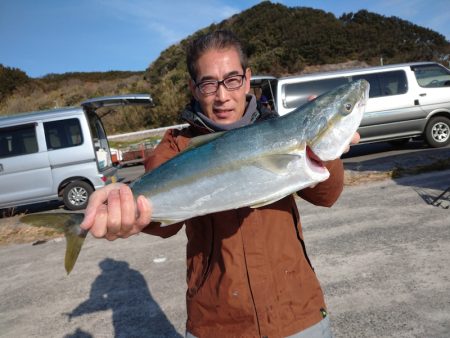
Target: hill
{"points": [[279, 40]]}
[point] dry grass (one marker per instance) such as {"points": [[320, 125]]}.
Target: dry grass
{"points": [[352, 178], [14, 232]]}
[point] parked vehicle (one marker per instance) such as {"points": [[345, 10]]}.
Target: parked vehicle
{"points": [[57, 154], [405, 100]]}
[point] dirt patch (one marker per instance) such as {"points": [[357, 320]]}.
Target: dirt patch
{"points": [[12, 231], [354, 178]]}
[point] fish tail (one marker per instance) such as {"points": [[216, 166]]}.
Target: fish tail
{"points": [[69, 223], [73, 247]]}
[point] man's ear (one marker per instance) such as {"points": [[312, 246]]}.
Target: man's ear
{"points": [[193, 88], [248, 75]]}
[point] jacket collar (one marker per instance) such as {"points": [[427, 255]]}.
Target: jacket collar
{"points": [[193, 115]]}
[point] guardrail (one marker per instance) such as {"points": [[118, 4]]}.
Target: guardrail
{"points": [[144, 133]]}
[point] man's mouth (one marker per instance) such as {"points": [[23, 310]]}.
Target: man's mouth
{"points": [[222, 112]]}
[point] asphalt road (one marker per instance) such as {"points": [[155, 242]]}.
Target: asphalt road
{"points": [[381, 253]]}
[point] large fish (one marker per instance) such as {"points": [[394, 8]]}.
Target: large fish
{"points": [[251, 166]]}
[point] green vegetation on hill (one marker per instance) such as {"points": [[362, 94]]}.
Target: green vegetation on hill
{"points": [[10, 79], [278, 40]]}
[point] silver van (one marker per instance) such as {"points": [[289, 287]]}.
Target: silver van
{"points": [[57, 154], [405, 100]]}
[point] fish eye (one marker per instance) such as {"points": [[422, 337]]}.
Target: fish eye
{"points": [[348, 106]]}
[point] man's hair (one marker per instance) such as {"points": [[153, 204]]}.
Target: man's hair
{"points": [[217, 40]]}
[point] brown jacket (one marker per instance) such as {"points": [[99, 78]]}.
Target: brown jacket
{"points": [[248, 274]]}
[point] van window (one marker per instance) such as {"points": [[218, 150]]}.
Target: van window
{"points": [[381, 84], [63, 134], [385, 83], [431, 76], [374, 81], [296, 94], [18, 140], [393, 83]]}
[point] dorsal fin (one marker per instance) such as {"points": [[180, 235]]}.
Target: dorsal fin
{"points": [[202, 139]]}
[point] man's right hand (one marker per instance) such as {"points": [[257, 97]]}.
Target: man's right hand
{"points": [[113, 213]]}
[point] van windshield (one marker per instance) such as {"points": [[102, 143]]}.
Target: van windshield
{"points": [[100, 140], [432, 76]]}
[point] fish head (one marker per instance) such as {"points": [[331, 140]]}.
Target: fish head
{"points": [[339, 114]]}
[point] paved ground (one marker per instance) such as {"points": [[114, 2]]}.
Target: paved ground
{"points": [[381, 253]]}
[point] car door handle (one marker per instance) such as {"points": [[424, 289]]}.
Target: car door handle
{"points": [[423, 94]]}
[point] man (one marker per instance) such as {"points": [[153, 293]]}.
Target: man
{"points": [[248, 274], [264, 102]]}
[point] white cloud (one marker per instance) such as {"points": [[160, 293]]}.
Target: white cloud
{"points": [[169, 20]]}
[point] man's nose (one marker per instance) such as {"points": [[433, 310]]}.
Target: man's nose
{"points": [[222, 92]]}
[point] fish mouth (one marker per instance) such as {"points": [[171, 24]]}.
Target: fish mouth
{"points": [[314, 161]]}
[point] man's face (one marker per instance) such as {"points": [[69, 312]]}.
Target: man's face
{"points": [[225, 106]]}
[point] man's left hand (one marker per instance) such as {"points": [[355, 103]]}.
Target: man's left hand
{"points": [[355, 140]]}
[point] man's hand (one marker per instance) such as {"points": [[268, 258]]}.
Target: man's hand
{"points": [[113, 213], [355, 140]]}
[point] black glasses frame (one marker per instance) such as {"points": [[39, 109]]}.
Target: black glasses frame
{"points": [[217, 84]]}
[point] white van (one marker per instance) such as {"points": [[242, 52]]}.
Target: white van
{"points": [[57, 154], [405, 100]]}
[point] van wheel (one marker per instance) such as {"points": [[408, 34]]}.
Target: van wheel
{"points": [[437, 132], [76, 195]]}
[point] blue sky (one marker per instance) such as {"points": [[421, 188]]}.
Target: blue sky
{"points": [[55, 36]]}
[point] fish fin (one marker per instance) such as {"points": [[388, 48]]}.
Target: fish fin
{"points": [[74, 243], [202, 139], [166, 222], [276, 163], [69, 223], [264, 203]]}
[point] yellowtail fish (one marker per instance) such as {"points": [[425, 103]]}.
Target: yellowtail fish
{"points": [[250, 166]]}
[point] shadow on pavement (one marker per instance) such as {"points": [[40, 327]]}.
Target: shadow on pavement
{"points": [[387, 158], [124, 291], [406, 159], [79, 334], [32, 208]]}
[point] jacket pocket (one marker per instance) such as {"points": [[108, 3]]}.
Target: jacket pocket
{"points": [[199, 267]]}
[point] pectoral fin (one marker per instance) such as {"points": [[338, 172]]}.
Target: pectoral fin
{"points": [[276, 163], [69, 223]]}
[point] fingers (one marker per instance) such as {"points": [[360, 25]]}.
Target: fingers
{"points": [[99, 226], [355, 139], [127, 210], [98, 198], [311, 97], [112, 213], [144, 211]]}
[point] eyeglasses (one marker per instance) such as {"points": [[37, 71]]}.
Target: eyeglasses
{"points": [[233, 82]]}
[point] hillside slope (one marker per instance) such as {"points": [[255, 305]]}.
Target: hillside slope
{"points": [[279, 40]]}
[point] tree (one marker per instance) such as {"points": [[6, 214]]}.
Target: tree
{"points": [[10, 79]]}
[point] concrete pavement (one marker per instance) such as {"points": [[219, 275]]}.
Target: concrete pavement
{"points": [[381, 254]]}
